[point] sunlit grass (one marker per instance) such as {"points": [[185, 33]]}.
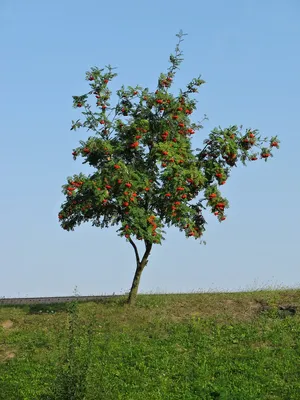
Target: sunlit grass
{"points": [[169, 346]]}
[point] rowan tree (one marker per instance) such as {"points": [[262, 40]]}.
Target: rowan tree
{"points": [[146, 175]]}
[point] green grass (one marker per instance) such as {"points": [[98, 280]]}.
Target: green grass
{"points": [[183, 346]]}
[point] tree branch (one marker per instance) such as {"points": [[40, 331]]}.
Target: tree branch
{"points": [[147, 251], [135, 250]]}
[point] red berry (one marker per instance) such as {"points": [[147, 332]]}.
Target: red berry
{"points": [[168, 195], [116, 166], [126, 204], [108, 186], [211, 196], [102, 122], [128, 184]]}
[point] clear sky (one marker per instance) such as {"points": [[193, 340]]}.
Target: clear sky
{"points": [[246, 51]]}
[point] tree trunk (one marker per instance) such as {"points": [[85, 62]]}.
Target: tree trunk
{"points": [[140, 265]]}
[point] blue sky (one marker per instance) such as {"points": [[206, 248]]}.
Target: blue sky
{"points": [[246, 51]]}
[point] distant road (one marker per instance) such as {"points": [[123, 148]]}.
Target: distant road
{"points": [[51, 300]]}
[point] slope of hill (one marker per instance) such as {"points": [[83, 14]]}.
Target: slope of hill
{"points": [[236, 346]]}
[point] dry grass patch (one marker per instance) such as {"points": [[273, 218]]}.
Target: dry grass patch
{"points": [[7, 324]]}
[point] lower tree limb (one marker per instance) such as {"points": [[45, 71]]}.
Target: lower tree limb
{"points": [[140, 265]]}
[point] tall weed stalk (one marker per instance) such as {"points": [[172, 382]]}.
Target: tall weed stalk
{"points": [[71, 379]]}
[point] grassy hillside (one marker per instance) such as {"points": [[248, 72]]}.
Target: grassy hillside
{"points": [[236, 346]]}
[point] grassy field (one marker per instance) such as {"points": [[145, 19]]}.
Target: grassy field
{"points": [[184, 346]]}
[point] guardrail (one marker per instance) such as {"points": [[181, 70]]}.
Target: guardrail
{"points": [[52, 300]]}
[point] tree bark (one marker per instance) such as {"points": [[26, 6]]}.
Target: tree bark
{"points": [[140, 265]]}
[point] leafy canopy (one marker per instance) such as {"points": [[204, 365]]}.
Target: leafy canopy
{"points": [[147, 175]]}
